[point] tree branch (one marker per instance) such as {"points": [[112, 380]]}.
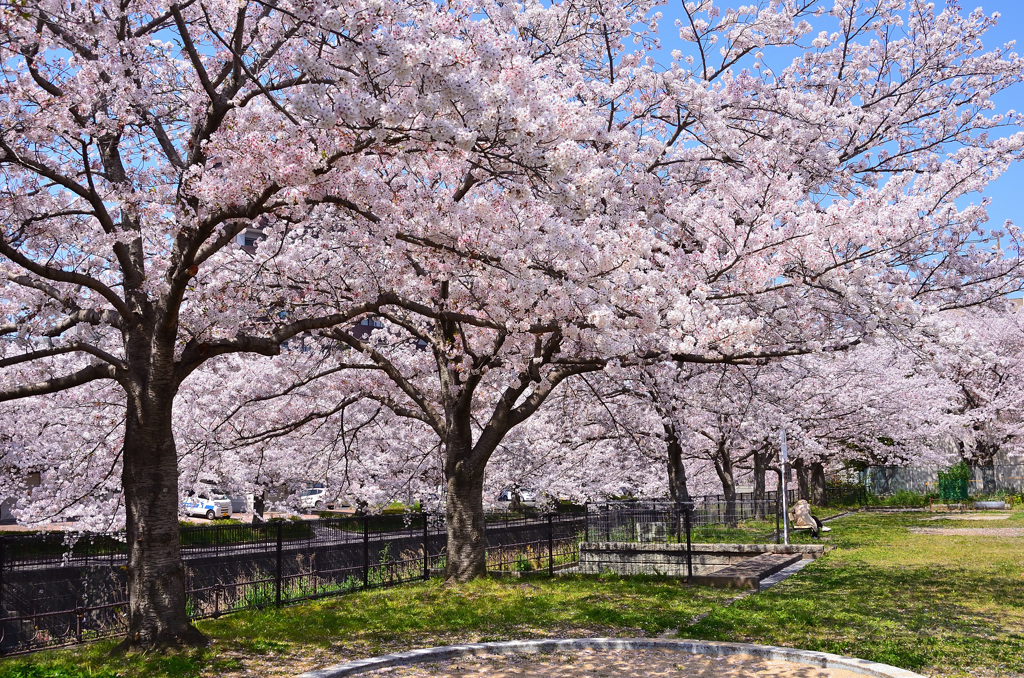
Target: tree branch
{"points": [[83, 376], [59, 275], [76, 347]]}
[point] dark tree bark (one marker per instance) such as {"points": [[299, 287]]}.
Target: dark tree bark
{"points": [[762, 458], [464, 511], [800, 470], [677, 488], [724, 469], [156, 577], [817, 483]]}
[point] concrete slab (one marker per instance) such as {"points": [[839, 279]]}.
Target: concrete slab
{"points": [[749, 573]]}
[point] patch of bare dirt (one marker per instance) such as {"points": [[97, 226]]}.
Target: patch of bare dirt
{"points": [[648, 663]]}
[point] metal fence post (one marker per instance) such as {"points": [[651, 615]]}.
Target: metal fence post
{"points": [[426, 543], [551, 546], [3, 565], [79, 614], [689, 550], [366, 551], [278, 575]]}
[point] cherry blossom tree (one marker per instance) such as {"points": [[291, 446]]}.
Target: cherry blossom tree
{"points": [[141, 143], [519, 192], [881, 402], [979, 353], [749, 217]]}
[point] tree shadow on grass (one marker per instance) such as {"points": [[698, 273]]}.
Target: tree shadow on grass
{"points": [[945, 621]]}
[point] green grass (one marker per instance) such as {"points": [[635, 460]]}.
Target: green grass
{"points": [[939, 605], [405, 617], [947, 606]]}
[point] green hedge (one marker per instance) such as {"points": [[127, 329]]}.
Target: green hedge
{"points": [[901, 499]]}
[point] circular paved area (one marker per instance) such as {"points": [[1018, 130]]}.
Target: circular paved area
{"points": [[650, 663], [611, 658]]}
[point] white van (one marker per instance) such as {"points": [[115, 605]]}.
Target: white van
{"points": [[212, 504]]}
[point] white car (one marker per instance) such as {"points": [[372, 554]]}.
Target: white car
{"points": [[527, 498], [213, 505], [315, 499]]}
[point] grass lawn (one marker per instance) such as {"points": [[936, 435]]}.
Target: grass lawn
{"points": [[940, 605]]}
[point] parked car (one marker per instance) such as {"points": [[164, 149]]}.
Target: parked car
{"points": [[214, 504], [315, 499]]}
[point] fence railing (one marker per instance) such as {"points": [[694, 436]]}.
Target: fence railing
{"points": [[55, 593], [711, 519]]}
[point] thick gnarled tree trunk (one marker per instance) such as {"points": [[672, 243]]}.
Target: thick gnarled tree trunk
{"points": [[156, 577], [464, 511]]}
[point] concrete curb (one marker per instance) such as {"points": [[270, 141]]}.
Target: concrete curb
{"points": [[819, 659]]}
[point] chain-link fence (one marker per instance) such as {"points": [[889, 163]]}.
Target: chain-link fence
{"points": [[984, 480]]}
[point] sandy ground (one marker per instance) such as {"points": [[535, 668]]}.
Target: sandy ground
{"points": [[971, 531], [650, 663]]}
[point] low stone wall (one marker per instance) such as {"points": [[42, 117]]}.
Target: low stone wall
{"points": [[628, 558]]}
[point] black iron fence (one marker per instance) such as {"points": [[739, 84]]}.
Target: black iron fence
{"points": [[54, 592], [845, 494], [526, 545], [710, 519]]}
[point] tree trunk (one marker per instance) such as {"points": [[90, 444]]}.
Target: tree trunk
{"points": [[156, 576], [677, 488], [761, 460], [464, 509], [801, 478], [729, 491], [723, 467], [817, 483]]}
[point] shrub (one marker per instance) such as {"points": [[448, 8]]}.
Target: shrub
{"points": [[901, 499]]}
